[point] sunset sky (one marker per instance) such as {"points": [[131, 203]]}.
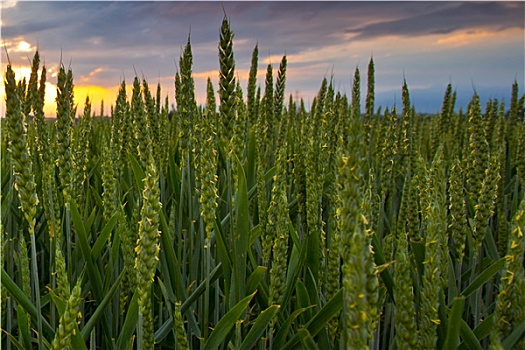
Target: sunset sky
{"points": [[476, 46]]}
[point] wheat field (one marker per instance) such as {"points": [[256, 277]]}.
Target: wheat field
{"points": [[250, 222]]}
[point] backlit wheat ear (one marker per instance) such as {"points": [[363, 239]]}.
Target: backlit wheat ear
{"points": [[389, 151], [211, 107], [262, 206], [22, 165], [141, 130], [155, 121], [443, 125], [477, 159], [333, 275], [35, 97], [187, 108], [68, 320], [457, 226], [164, 126], [434, 228], [268, 124], [356, 95], [333, 243], [39, 118], [252, 85], [372, 279], [515, 115], [262, 193], [314, 171], [122, 126], [510, 309], [520, 165], [182, 337], [32, 85], [405, 312], [63, 289], [23, 266], [24, 179], [226, 82], [354, 250], [50, 192], [180, 127], [326, 148], [278, 220], [128, 239], [64, 125], [205, 171], [151, 115], [299, 170], [280, 85], [369, 105], [135, 116], [238, 138], [109, 185], [147, 251], [278, 229], [502, 214], [484, 209], [489, 121], [413, 207], [211, 103], [81, 146]]}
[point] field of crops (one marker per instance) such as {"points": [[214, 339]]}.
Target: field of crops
{"points": [[253, 223]]}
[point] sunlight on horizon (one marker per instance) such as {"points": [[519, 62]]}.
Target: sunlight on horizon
{"points": [[96, 81]]}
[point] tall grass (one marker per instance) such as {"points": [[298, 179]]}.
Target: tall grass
{"points": [[256, 224]]}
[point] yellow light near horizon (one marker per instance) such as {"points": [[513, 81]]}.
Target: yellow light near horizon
{"points": [[22, 72], [96, 94], [50, 107]]}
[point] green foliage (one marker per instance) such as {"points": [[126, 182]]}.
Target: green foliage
{"points": [[259, 224]]}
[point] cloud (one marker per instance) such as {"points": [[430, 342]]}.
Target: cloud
{"points": [[447, 18], [8, 4], [18, 45], [458, 39], [23, 46], [431, 42], [113, 28], [89, 77]]}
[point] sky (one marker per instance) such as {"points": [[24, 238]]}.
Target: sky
{"points": [[475, 46]]}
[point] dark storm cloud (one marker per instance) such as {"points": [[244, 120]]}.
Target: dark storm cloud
{"points": [[35, 17], [448, 17], [291, 26]]}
